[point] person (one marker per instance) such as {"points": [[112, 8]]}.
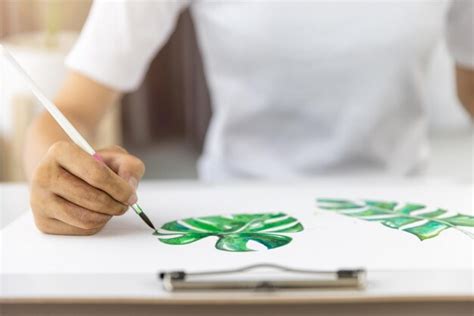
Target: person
{"points": [[298, 89]]}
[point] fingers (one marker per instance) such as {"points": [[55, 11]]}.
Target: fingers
{"points": [[47, 206], [70, 157], [125, 165], [74, 194], [55, 227], [73, 215], [79, 192]]}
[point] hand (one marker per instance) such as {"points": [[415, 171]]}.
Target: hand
{"points": [[72, 193]]}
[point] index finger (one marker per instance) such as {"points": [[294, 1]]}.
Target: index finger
{"points": [[96, 173]]}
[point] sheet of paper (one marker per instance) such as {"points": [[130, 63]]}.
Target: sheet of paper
{"points": [[328, 241]]}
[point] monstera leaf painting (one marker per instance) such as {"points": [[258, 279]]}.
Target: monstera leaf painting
{"points": [[412, 218], [233, 232]]}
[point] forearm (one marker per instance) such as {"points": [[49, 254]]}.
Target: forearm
{"points": [[44, 132], [465, 88], [83, 101]]}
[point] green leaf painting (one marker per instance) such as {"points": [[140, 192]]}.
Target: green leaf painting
{"points": [[233, 231], [412, 218]]}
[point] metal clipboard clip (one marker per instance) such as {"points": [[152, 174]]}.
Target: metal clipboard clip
{"points": [[274, 277]]}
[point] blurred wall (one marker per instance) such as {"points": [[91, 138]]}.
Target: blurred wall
{"points": [[31, 15]]}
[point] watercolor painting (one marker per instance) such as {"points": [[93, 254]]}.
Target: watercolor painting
{"points": [[233, 232], [412, 218]]}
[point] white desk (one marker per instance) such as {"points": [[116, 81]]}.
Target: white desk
{"points": [[14, 202], [403, 292]]}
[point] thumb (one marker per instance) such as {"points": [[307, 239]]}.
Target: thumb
{"points": [[125, 165]]}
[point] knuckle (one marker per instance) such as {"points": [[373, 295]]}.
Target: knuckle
{"points": [[89, 220], [104, 219], [101, 201], [93, 198], [98, 177], [135, 162], [62, 174], [59, 147], [119, 209], [118, 149], [125, 195], [42, 174], [105, 203], [119, 190], [140, 166]]}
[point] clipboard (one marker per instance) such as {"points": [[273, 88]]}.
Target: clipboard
{"points": [[263, 277]]}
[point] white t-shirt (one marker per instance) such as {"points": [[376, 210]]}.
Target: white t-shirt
{"points": [[297, 88]]}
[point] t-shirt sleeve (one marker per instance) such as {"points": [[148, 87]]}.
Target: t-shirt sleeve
{"points": [[460, 32], [120, 38]]}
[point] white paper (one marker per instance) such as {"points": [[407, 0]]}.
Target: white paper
{"points": [[329, 241]]}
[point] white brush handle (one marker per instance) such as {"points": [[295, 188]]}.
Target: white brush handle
{"points": [[68, 128]]}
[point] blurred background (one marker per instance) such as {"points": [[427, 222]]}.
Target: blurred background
{"points": [[165, 121]]}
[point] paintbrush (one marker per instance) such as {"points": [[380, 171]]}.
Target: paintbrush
{"points": [[68, 128]]}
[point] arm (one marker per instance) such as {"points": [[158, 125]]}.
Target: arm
{"points": [[72, 193], [465, 88], [83, 101]]}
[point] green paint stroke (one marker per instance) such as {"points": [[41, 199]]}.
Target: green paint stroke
{"points": [[233, 231], [411, 218]]}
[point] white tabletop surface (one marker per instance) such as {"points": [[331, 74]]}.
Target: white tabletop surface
{"points": [[14, 201], [401, 285]]}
